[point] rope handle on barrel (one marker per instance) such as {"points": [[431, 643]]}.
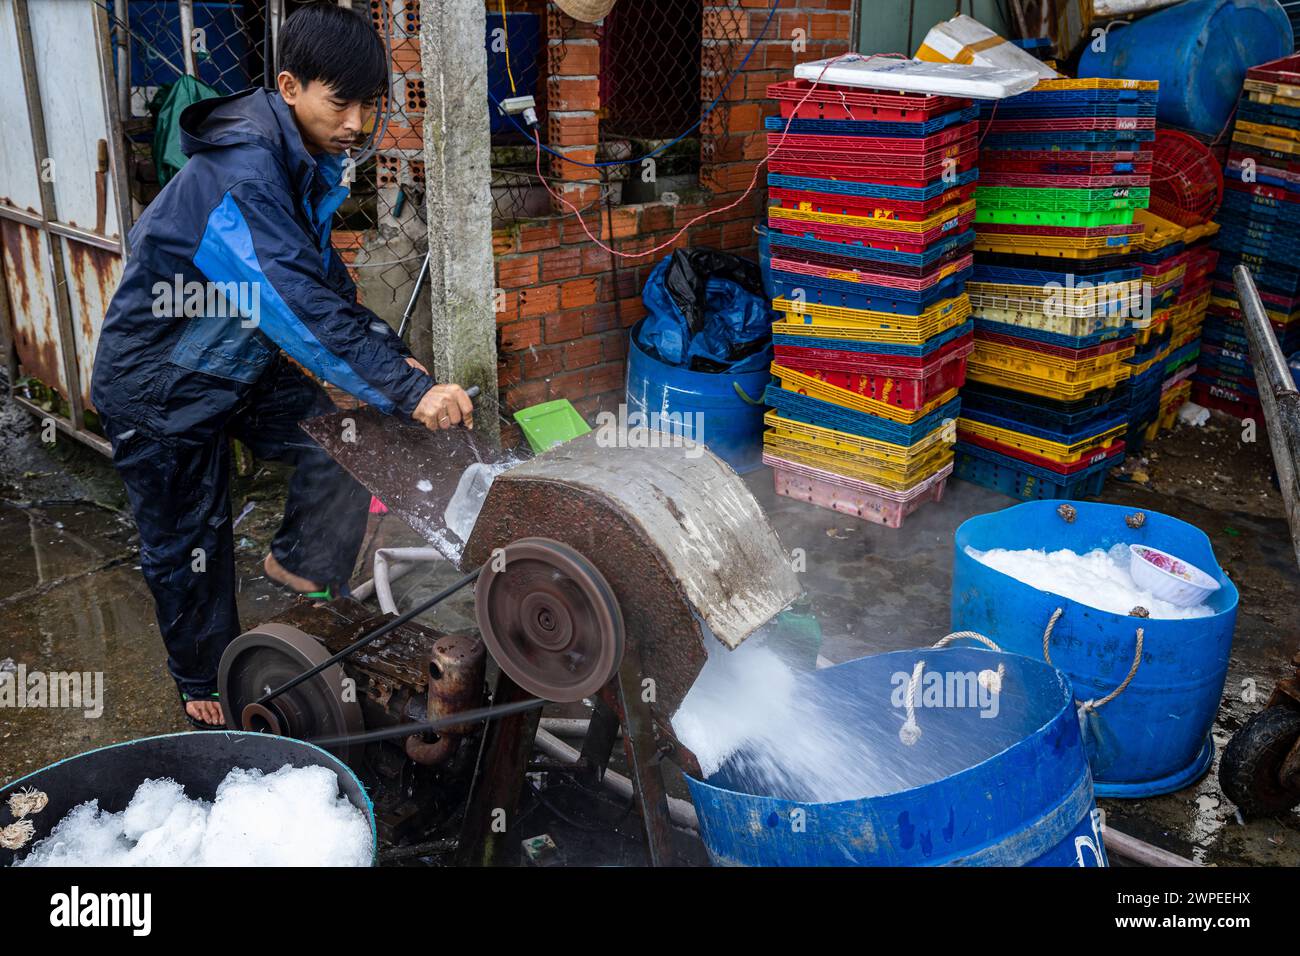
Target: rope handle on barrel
{"points": [[1089, 706], [910, 732]]}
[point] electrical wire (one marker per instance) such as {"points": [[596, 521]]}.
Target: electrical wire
{"points": [[672, 142]]}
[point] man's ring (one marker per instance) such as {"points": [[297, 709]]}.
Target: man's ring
{"points": [[443, 420]]}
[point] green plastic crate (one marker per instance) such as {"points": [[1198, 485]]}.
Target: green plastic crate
{"points": [[1060, 200], [1033, 217], [550, 424]]}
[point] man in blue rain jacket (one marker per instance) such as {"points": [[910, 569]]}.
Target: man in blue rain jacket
{"points": [[232, 289]]}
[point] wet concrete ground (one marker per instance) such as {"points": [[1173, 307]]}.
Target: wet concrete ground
{"points": [[72, 599]]}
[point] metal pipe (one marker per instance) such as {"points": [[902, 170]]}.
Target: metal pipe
{"points": [[121, 12], [568, 726], [187, 35], [1139, 851], [383, 576], [1277, 395]]}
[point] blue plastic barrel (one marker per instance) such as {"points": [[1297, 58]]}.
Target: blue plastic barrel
{"points": [[1199, 51], [1008, 789], [723, 411], [1155, 736]]}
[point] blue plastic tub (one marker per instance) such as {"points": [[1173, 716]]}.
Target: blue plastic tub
{"points": [[1014, 791], [723, 411], [198, 761], [1199, 51], [1155, 736]]}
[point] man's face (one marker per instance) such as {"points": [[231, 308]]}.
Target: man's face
{"points": [[328, 123]]}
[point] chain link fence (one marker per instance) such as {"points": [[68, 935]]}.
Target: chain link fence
{"points": [[380, 231]]}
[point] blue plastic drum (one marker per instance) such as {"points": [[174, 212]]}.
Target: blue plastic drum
{"points": [[1154, 737], [992, 777]]}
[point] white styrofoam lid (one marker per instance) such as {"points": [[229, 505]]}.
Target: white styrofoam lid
{"points": [[918, 76]]}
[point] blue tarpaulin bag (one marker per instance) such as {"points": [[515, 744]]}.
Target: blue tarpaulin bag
{"points": [[707, 313]]}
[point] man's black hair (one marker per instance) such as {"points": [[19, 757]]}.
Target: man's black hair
{"points": [[336, 46]]}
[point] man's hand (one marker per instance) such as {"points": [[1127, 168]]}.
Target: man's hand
{"points": [[444, 406]]}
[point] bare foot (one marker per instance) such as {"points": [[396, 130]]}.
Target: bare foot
{"points": [[208, 711], [278, 572]]}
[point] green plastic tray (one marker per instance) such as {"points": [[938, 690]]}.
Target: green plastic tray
{"points": [[550, 424], [1034, 217]]}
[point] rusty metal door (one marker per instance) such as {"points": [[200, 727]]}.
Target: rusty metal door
{"points": [[64, 208]]}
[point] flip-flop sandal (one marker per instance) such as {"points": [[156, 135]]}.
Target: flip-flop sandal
{"points": [[195, 722]]}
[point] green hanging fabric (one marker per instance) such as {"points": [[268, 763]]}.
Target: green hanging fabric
{"points": [[167, 156]]}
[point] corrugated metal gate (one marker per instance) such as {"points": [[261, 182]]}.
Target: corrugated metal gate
{"points": [[62, 202]]}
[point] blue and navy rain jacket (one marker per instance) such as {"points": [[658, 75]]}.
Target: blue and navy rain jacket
{"points": [[231, 263]]}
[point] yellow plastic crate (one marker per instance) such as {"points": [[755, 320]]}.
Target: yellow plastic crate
{"points": [[948, 214], [1281, 318], [1056, 451], [837, 322], [1050, 247], [1041, 364], [1160, 357], [830, 439], [1169, 275], [1106, 292], [796, 381], [1095, 83], [1197, 233], [1061, 324], [1277, 144], [1045, 387], [1157, 232], [1264, 91], [1269, 130], [864, 469]]}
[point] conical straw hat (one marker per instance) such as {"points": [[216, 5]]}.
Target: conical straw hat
{"points": [[588, 11]]}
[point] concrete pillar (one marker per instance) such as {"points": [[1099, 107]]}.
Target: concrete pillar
{"points": [[457, 147]]}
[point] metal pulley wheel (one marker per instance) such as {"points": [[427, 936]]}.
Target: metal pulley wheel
{"points": [[550, 620], [265, 658]]}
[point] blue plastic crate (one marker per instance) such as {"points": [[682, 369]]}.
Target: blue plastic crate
{"points": [[1262, 177], [1028, 482], [928, 127], [999, 273], [1013, 109], [1080, 97], [928, 347], [952, 245], [1040, 412], [872, 190], [1270, 114], [859, 295], [814, 411], [1088, 429]]}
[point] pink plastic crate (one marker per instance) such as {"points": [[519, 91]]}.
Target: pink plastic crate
{"points": [[853, 497]]}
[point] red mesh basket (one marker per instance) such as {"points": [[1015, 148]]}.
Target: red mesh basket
{"points": [[1186, 179]]}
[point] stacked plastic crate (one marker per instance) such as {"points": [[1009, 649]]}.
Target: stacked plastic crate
{"points": [[871, 228], [1165, 244], [1260, 220], [1057, 287]]}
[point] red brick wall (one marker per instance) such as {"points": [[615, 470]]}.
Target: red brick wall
{"points": [[562, 330]]}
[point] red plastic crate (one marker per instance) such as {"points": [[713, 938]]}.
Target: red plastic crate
{"points": [[869, 277], [1058, 162], [875, 376], [1280, 193], [853, 103], [1284, 70], [936, 270], [1114, 450], [1073, 232], [994, 177], [888, 174], [875, 238], [874, 208], [1242, 406]]}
